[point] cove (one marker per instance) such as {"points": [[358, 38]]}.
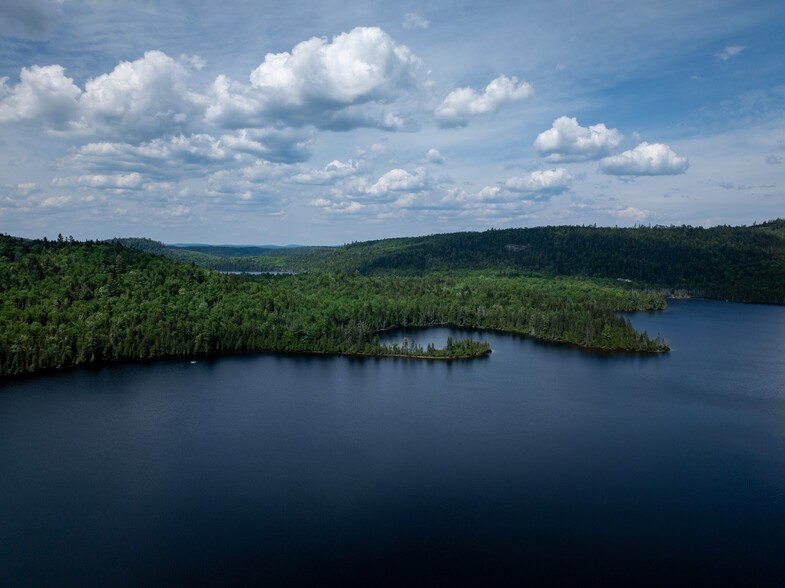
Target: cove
{"points": [[538, 463]]}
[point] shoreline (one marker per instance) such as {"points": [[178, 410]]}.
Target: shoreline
{"points": [[206, 356]]}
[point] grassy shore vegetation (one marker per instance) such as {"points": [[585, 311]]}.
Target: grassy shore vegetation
{"points": [[65, 303]]}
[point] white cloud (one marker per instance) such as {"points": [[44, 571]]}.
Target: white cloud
{"points": [[316, 81], [375, 151], [228, 185], [344, 84], [433, 156], [567, 141], [280, 146], [415, 21], [195, 61], [117, 165], [631, 213], [331, 172], [143, 98], [132, 181], [28, 188], [176, 211], [168, 159], [139, 99], [465, 103], [399, 180], [339, 207], [43, 94], [55, 201], [488, 192], [647, 159], [730, 51], [546, 182]]}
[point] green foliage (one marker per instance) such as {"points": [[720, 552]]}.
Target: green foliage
{"points": [[67, 303], [745, 264]]}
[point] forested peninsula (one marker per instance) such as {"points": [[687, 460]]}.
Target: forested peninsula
{"points": [[65, 303]]}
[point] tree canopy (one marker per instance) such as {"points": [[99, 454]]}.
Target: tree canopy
{"points": [[66, 303]]}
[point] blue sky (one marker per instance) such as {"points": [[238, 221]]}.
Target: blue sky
{"points": [[328, 122]]}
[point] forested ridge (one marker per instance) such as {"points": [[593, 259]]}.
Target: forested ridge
{"points": [[744, 263], [66, 303]]}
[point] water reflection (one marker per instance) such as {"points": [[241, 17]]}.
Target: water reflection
{"points": [[540, 462]]}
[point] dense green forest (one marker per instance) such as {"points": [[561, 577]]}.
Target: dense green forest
{"points": [[65, 303], [735, 263]]}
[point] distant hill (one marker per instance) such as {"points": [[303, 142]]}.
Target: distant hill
{"points": [[745, 263]]}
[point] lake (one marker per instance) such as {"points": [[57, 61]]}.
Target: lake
{"points": [[539, 463]]}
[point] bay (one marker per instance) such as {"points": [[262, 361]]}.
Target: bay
{"points": [[541, 462]]}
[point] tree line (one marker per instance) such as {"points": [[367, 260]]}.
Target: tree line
{"points": [[745, 264]]}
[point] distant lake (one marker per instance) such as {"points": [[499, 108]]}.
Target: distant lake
{"points": [[539, 463]]}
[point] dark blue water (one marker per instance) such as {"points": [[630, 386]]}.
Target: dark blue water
{"points": [[540, 463]]}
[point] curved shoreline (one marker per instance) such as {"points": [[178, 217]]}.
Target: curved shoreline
{"points": [[187, 357]]}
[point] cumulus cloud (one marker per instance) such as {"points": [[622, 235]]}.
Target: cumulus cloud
{"points": [[335, 170], [547, 182], [43, 94], [567, 141], [730, 51], [399, 180], [338, 207], [138, 99], [316, 80], [433, 156], [346, 83], [415, 21], [464, 103], [145, 97], [647, 159]]}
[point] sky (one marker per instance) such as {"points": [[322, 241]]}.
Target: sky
{"points": [[321, 123]]}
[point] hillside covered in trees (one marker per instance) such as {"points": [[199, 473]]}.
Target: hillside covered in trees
{"points": [[744, 264], [66, 303]]}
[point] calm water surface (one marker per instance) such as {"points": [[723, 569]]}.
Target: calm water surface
{"points": [[540, 462]]}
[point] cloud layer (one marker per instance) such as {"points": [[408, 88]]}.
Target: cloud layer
{"points": [[405, 123]]}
